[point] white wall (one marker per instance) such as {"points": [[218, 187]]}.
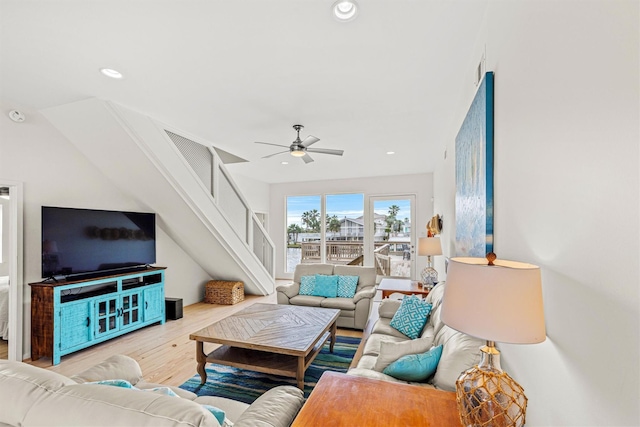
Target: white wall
{"points": [[567, 197], [256, 192], [419, 184], [54, 173]]}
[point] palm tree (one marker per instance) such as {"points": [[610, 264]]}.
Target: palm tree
{"points": [[292, 233], [333, 224], [392, 221], [311, 219]]}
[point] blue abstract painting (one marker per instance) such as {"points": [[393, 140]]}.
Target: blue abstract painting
{"points": [[474, 175]]}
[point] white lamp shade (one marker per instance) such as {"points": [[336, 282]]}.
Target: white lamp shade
{"points": [[501, 303], [429, 246]]}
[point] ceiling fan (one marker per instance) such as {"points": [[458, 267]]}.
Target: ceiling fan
{"points": [[299, 148]]}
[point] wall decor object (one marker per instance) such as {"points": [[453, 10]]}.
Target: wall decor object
{"points": [[474, 175]]}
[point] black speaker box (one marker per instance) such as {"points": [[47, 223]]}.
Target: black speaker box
{"points": [[173, 308]]}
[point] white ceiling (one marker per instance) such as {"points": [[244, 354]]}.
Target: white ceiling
{"points": [[237, 71]]}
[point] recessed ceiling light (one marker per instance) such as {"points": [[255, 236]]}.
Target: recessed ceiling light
{"points": [[345, 10], [391, 152], [109, 72], [284, 163]]}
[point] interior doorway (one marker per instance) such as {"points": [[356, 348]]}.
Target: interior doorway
{"points": [[391, 234], [11, 270]]}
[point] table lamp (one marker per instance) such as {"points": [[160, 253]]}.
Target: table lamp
{"points": [[428, 246], [498, 301]]}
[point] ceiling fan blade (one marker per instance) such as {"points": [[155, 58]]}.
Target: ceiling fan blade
{"points": [[326, 151], [275, 154], [307, 158], [310, 140], [268, 143]]}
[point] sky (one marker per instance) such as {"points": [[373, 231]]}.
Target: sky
{"points": [[341, 205]]}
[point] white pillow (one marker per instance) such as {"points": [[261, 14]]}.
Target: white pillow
{"points": [[392, 351]]}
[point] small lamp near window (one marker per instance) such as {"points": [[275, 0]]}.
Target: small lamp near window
{"points": [[429, 246], [499, 301]]}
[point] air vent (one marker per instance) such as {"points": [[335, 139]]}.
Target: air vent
{"points": [[480, 69]]}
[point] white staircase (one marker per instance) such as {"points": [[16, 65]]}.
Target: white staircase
{"points": [[182, 180]]}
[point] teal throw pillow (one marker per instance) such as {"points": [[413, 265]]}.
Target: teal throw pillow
{"points": [[411, 316], [307, 283], [216, 412], [415, 367], [114, 383], [347, 286], [326, 286]]}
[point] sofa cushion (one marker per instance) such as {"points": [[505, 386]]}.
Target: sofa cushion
{"points": [[308, 300], [388, 307], [415, 367], [326, 286], [459, 353], [21, 385], [339, 303], [347, 286], [375, 375], [382, 327], [118, 366], [232, 408], [275, 408], [93, 404], [307, 284], [372, 346], [411, 316], [367, 362], [392, 351], [185, 394]]}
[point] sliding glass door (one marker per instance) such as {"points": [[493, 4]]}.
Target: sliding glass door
{"points": [[392, 241]]}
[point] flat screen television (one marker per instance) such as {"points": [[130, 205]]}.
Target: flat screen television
{"points": [[87, 242]]}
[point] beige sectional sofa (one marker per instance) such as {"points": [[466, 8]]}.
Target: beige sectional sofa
{"points": [[354, 312], [385, 344], [32, 396]]}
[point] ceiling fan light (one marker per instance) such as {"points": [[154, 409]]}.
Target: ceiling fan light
{"points": [[298, 153], [345, 10]]}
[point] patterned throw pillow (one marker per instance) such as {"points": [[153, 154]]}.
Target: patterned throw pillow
{"points": [[326, 286], [411, 316], [347, 286], [415, 367], [307, 283]]}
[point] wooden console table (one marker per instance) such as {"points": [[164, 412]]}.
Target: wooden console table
{"points": [[346, 400], [402, 286]]}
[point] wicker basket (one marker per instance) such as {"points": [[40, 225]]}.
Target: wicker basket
{"points": [[223, 292]]}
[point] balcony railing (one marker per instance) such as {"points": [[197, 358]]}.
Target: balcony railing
{"points": [[353, 252]]}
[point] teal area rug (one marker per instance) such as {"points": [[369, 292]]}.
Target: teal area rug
{"points": [[246, 386]]}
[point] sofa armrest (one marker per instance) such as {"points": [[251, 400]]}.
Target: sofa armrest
{"points": [[368, 292], [290, 290], [276, 408], [117, 367]]}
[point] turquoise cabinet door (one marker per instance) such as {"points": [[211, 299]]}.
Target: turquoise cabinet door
{"points": [[75, 324], [131, 309], [154, 303], [106, 315]]}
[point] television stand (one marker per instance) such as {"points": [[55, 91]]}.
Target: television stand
{"points": [[73, 314], [86, 276]]}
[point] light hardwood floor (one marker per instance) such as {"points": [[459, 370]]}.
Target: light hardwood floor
{"points": [[165, 352], [4, 349]]}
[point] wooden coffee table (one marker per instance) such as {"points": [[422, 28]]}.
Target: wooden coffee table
{"points": [[270, 338], [341, 400]]}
